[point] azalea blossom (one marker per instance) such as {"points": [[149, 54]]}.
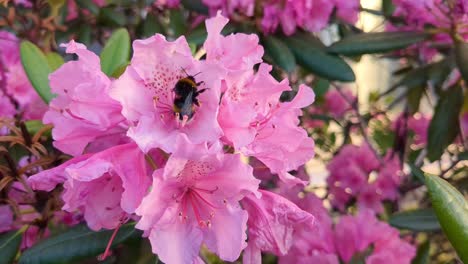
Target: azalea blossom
{"points": [[357, 173], [106, 187], [82, 112], [17, 96], [192, 201], [273, 224]]}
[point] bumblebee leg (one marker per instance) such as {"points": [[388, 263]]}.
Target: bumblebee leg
{"points": [[201, 91]]}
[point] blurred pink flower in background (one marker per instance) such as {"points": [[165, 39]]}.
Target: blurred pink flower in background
{"points": [[355, 172], [338, 103], [15, 87]]}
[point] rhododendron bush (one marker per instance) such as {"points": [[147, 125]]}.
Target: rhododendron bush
{"points": [[233, 131]]}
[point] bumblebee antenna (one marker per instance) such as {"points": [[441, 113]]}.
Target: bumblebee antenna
{"points": [[184, 71]]}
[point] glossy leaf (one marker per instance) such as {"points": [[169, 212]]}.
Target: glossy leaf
{"points": [[116, 52], [77, 243], [451, 209], [416, 220], [312, 56], [9, 246], [461, 53], [279, 53], [54, 60], [444, 126], [37, 69], [379, 42]]}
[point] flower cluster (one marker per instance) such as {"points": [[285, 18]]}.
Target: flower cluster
{"points": [[359, 237], [310, 15], [163, 145], [448, 17], [417, 124], [17, 96], [356, 173]]}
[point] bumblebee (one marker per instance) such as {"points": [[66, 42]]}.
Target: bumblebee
{"points": [[186, 93]]}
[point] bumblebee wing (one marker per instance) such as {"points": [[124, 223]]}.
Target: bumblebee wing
{"points": [[187, 106]]}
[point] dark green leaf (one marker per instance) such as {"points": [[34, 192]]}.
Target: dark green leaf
{"points": [[451, 209], [463, 156], [422, 255], [77, 243], [280, 53], [320, 86], [461, 53], [177, 22], [380, 42], [37, 69], [85, 34], [417, 173], [198, 35], [151, 26], [388, 7], [312, 56], [444, 126], [9, 246], [416, 220], [111, 17], [195, 5], [54, 60], [116, 52]]}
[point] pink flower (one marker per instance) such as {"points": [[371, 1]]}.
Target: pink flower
{"points": [[194, 200], [338, 105], [107, 186], [356, 172], [6, 218], [235, 52], [312, 245], [266, 128], [354, 234], [15, 86], [82, 113], [347, 10], [146, 92], [272, 225]]}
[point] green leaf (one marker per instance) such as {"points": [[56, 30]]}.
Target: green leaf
{"points": [[77, 243], [85, 34], [151, 26], [9, 245], [444, 126], [116, 52], [177, 22], [311, 55], [37, 69], [422, 255], [280, 53], [111, 17], [451, 209], [195, 5], [417, 173], [320, 86], [54, 60], [415, 220], [461, 53], [198, 35], [379, 42]]}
